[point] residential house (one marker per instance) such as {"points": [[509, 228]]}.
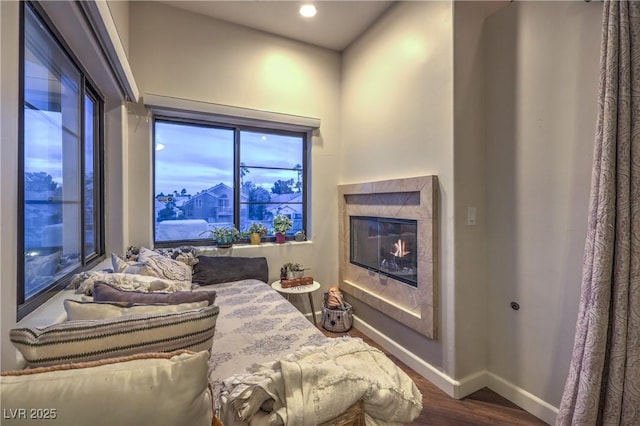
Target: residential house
{"points": [[214, 204], [289, 205]]}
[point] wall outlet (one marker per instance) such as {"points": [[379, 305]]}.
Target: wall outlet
{"points": [[471, 216]]}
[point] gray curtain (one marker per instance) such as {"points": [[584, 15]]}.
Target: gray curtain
{"points": [[603, 386]]}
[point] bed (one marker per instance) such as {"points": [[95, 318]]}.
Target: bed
{"points": [[263, 344], [270, 365], [255, 324]]}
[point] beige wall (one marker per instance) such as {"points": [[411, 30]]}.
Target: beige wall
{"points": [[470, 185], [542, 79], [9, 23], [212, 61], [120, 13], [511, 135], [397, 111]]}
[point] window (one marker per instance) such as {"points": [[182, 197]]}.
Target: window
{"points": [[60, 159], [208, 175]]}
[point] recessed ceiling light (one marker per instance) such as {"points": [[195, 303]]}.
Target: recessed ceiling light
{"points": [[308, 10]]}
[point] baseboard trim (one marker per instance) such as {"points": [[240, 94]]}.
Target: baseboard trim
{"points": [[420, 366], [527, 401], [460, 388]]}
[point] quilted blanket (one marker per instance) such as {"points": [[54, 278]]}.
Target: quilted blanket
{"points": [[316, 384]]}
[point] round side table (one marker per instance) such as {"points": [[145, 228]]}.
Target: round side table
{"points": [[301, 289]]}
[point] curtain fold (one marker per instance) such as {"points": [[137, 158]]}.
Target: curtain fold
{"points": [[603, 386]]}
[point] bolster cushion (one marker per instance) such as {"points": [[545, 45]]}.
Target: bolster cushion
{"points": [[103, 292], [221, 269], [89, 340]]}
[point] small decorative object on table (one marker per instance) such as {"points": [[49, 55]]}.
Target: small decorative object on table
{"points": [[295, 282], [337, 315], [292, 270], [300, 236], [292, 275]]}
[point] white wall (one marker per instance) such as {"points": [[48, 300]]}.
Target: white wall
{"points": [[397, 115], [181, 54], [542, 79]]}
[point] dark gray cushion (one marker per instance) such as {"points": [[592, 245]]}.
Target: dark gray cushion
{"points": [[222, 269], [103, 292]]}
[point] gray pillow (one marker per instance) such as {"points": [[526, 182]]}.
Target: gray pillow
{"points": [[222, 269], [103, 292]]}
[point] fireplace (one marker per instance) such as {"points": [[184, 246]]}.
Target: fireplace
{"points": [[381, 262], [385, 246]]}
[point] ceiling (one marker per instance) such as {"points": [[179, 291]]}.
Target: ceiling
{"points": [[335, 26]]}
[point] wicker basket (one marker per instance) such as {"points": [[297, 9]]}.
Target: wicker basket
{"points": [[337, 320]]}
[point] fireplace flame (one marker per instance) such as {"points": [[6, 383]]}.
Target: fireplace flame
{"points": [[400, 249]]}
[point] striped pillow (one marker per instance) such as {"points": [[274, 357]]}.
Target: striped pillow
{"points": [[89, 340]]}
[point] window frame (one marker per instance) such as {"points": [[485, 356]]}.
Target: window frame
{"points": [[87, 88], [237, 128]]}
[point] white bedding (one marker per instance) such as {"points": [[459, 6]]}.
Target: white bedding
{"points": [[316, 384], [266, 352], [255, 324]]}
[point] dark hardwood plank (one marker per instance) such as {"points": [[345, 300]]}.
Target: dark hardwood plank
{"points": [[481, 408]]}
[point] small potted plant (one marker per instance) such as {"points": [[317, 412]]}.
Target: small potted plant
{"points": [[257, 230], [224, 236], [293, 270], [281, 224]]}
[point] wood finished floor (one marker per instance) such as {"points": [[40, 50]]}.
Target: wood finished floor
{"points": [[481, 408]]}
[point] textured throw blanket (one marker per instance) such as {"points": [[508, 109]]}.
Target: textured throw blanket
{"points": [[318, 383], [84, 282]]}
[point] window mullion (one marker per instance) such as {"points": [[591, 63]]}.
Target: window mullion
{"points": [[82, 142], [237, 190]]}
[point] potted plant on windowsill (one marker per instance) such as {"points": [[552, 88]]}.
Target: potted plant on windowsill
{"points": [[224, 236], [281, 224], [256, 231]]}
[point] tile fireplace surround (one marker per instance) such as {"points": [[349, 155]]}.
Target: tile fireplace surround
{"points": [[410, 198]]}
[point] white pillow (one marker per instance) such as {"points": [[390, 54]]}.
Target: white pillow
{"points": [[128, 266], [77, 310], [84, 282], [169, 389], [163, 267]]}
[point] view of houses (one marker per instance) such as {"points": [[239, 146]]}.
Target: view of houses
{"points": [[182, 216]]}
